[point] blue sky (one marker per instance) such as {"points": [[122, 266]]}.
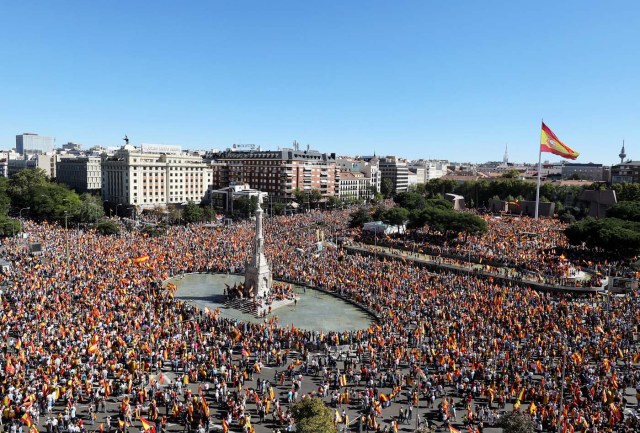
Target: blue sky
{"points": [[443, 79]]}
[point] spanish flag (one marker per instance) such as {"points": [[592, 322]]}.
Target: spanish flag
{"points": [[550, 143], [146, 425], [140, 259], [453, 430], [26, 418], [343, 380]]}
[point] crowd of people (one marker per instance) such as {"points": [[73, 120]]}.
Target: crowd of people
{"points": [[534, 249], [452, 348]]}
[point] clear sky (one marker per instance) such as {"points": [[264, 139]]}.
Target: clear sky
{"points": [[443, 79]]}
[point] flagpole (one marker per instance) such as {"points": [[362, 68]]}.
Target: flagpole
{"points": [[539, 175]]}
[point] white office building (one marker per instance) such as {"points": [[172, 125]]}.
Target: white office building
{"points": [[150, 180]]}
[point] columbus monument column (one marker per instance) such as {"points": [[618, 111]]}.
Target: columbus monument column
{"points": [[257, 278]]}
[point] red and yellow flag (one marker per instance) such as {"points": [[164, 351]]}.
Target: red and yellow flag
{"points": [[550, 143], [146, 425], [26, 418]]}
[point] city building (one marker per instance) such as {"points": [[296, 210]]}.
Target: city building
{"points": [[427, 170], [150, 180], [5, 157], [590, 171], [29, 144], [626, 172], [83, 174], [354, 185], [46, 162], [396, 170], [278, 173]]}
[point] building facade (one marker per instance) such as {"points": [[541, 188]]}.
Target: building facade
{"points": [[590, 171], [150, 180], [46, 162], [354, 185], [83, 174], [29, 144], [396, 170], [278, 173], [626, 172]]}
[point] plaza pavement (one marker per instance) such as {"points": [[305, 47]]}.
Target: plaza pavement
{"points": [[310, 384]]}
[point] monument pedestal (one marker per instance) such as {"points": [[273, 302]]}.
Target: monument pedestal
{"points": [[258, 280]]}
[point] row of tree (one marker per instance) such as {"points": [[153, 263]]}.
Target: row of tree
{"points": [[416, 211], [30, 193], [617, 235]]}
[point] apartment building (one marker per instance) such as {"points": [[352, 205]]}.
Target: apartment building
{"points": [[278, 173], [354, 185]]}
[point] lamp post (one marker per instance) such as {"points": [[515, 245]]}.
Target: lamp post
{"points": [[66, 236], [20, 216]]}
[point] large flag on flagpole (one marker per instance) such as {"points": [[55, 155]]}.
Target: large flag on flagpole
{"points": [[550, 143]]}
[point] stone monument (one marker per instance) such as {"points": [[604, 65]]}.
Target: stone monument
{"points": [[257, 278]]}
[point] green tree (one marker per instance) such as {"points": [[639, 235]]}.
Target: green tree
{"points": [[516, 422], [625, 210], [245, 206], [410, 200], [313, 416], [439, 187], [299, 196], [359, 216], [314, 197], [25, 183], [333, 202], [192, 213], [53, 200], [90, 209], [278, 208], [611, 235], [5, 199], [387, 188], [395, 216], [107, 227], [439, 203], [155, 230], [627, 191], [9, 226]]}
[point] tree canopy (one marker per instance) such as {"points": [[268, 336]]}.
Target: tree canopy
{"points": [[612, 235], [313, 416], [625, 210], [359, 216]]}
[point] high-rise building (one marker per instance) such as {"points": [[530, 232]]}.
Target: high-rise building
{"points": [[84, 174], [278, 173], [396, 170], [148, 180], [29, 143]]}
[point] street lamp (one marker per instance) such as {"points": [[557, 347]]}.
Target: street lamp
{"points": [[20, 216], [66, 237]]}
